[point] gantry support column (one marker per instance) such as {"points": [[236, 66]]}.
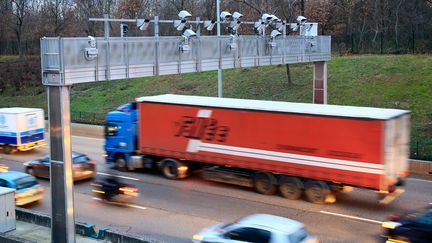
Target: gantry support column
{"points": [[320, 83], [62, 205]]}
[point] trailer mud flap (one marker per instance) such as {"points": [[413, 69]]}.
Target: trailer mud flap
{"points": [[391, 196]]}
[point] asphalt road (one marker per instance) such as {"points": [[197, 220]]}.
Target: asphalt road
{"points": [[172, 211]]}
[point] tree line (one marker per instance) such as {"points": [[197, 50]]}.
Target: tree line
{"points": [[356, 26]]}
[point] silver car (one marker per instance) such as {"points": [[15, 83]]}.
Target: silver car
{"points": [[256, 228]]}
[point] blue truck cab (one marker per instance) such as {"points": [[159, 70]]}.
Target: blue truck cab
{"points": [[121, 136]]}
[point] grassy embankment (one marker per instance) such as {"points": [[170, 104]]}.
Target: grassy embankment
{"points": [[403, 82]]}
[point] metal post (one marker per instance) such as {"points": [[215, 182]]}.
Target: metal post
{"points": [[121, 30], [106, 27], [320, 83], [220, 49], [62, 207], [156, 36]]}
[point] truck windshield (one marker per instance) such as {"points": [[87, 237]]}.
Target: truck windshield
{"points": [[111, 129]]}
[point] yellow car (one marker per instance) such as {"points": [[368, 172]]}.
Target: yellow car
{"points": [[27, 189]]}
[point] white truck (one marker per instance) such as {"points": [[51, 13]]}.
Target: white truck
{"points": [[21, 129]]}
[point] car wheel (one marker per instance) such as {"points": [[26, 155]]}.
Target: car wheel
{"points": [[290, 187], [265, 183]]}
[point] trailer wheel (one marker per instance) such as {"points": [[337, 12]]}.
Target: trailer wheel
{"points": [[265, 183], [290, 187], [174, 169], [7, 149], [317, 191], [120, 163]]}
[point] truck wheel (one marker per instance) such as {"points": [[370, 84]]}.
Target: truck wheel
{"points": [[290, 187], [120, 163], [265, 183], [174, 169], [317, 191], [7, 149]]}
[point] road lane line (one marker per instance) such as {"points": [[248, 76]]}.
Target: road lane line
{"points": [[123, 177], [127, 204], [136, 206], [352, 217]]}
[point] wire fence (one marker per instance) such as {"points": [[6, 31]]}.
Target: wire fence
{"points": [[88, 117]]}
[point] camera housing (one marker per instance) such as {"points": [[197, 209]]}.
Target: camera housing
{"points": [[225, 15], [184, 15], [301, 19]]}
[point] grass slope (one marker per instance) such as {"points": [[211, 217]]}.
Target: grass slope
{"points": [[403, 81]]}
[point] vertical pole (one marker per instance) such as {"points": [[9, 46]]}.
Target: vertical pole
{"points": [[121, 30], [156, 39], [320, 83], [106, 27], [220, 49], [106, 37], [62, 205]]}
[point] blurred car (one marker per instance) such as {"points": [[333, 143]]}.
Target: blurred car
{"points": [[83, 167], [27, 189], [3, 168], [257, 228], [413, 227]]}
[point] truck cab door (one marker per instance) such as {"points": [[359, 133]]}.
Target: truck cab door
{"points": [[117, 137]]}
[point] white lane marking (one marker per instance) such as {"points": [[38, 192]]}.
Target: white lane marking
{"points": [[136, 206], [422, 180], [123, 177], [352, 217], [127, 204]]}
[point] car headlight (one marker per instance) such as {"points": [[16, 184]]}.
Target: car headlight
{"points": [[197, 237], [26, 164], [390, 225]]}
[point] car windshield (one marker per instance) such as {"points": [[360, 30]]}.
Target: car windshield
{"points": [[298, 236], [80, 159], [25, 182]]}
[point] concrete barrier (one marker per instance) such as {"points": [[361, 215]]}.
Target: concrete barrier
{"points": [[41, 219], [420, 168], [84, 130]]}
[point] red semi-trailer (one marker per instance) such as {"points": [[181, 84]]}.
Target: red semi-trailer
{"points": [[296, 148]]}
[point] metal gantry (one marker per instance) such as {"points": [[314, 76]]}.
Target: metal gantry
{"points": [[67, 61]]}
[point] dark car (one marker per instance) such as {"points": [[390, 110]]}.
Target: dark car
{"points": [[414, 227], [83, 167]]}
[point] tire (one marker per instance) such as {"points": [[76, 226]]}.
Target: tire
{"points": [[120, 163], [317, 191], [290, 187], [265, 183], [7, 149], [170, 169]]}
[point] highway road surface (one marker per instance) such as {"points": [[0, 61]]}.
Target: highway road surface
{"points": [[172, 211]]}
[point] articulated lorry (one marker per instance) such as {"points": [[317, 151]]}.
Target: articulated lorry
{"points": [[21, 129], [297, 148]]}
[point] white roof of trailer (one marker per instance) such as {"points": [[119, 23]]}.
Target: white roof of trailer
{"points": [[18, 110], [277, 106]]}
